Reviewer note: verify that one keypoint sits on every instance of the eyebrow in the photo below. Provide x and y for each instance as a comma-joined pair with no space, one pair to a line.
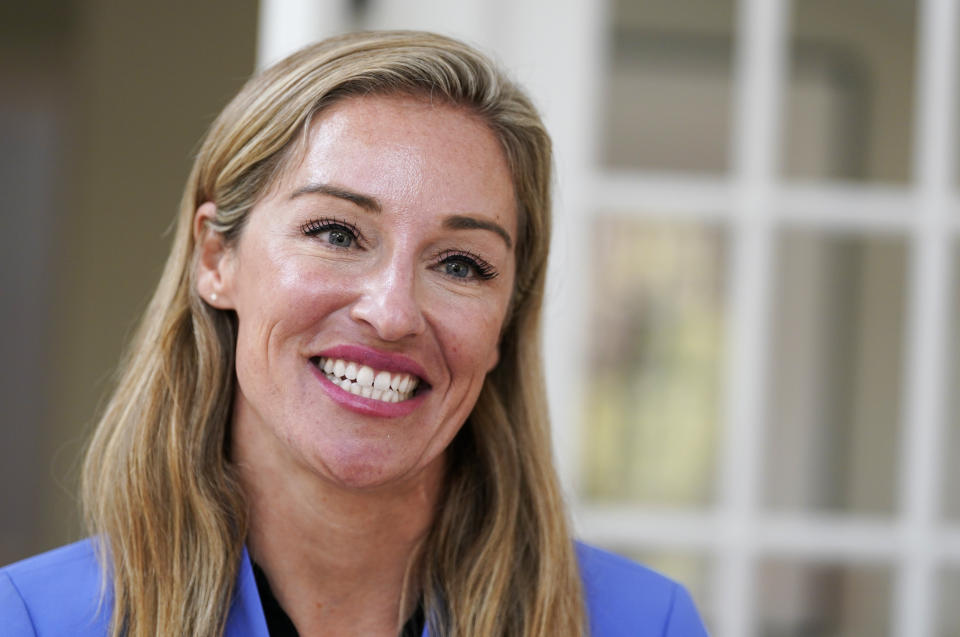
461,222
366,202
453,222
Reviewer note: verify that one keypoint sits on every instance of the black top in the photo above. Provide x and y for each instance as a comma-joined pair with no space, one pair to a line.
279,624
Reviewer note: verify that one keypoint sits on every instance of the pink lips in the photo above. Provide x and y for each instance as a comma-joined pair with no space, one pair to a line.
380,361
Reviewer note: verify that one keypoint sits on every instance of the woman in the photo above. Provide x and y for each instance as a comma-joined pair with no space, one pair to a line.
332,418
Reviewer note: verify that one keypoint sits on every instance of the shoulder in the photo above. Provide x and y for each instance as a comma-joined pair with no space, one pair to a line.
626,599
54,593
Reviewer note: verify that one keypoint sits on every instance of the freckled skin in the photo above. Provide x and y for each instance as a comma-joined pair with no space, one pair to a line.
295,295
339,500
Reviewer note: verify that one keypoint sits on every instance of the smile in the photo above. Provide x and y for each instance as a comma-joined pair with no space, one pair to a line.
363,380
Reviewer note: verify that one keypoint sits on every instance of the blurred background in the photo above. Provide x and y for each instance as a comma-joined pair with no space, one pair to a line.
751,305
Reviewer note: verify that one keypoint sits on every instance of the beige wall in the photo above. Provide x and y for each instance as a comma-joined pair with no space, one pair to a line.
131,87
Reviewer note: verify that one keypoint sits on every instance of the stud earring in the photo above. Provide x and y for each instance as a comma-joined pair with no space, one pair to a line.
213,297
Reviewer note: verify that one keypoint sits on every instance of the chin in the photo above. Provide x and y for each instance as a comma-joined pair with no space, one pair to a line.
364,469
359,475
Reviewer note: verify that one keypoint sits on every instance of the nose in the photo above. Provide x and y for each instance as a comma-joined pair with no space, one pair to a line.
388,303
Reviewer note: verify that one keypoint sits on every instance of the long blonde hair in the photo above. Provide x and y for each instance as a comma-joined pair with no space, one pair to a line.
158,488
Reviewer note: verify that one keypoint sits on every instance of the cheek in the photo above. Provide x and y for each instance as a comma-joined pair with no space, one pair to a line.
471,336
289,294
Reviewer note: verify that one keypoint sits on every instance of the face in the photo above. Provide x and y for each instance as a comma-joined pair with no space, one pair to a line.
370,286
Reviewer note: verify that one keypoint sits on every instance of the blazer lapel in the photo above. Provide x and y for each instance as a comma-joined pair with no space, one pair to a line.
246,617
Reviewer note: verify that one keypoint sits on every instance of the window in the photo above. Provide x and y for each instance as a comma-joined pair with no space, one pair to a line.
767,320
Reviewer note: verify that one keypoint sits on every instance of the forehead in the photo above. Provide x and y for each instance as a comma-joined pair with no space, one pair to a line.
408,152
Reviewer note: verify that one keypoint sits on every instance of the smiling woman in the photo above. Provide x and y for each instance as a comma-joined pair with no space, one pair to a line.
332,420
351,258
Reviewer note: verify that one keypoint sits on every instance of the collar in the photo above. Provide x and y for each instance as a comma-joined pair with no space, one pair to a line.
246,618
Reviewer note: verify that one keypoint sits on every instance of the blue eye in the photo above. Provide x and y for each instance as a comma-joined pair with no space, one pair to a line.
458,269
464,265
339,238
338,233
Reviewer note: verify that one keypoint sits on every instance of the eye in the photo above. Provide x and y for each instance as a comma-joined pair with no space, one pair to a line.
464,265
340,238
339,234
458,269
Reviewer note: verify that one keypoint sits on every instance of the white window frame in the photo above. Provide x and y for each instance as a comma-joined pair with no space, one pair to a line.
754,202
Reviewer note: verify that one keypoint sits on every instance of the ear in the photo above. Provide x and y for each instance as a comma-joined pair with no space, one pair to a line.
214,263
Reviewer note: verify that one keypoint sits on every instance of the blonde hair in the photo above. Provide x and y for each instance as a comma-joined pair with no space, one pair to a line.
158,487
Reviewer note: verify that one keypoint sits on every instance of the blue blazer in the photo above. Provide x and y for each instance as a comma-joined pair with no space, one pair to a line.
58,593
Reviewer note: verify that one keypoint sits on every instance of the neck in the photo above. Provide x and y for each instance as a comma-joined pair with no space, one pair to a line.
339,560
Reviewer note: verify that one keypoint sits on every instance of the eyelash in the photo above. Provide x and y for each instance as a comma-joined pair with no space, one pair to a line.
326,224
481,268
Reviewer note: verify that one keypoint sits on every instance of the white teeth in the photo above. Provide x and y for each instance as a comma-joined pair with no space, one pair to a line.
382,381
363,380
365,376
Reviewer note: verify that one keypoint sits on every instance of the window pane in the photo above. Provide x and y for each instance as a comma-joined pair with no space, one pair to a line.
833,419
667,104
828,600
948,623
849,100
951,448
653,387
